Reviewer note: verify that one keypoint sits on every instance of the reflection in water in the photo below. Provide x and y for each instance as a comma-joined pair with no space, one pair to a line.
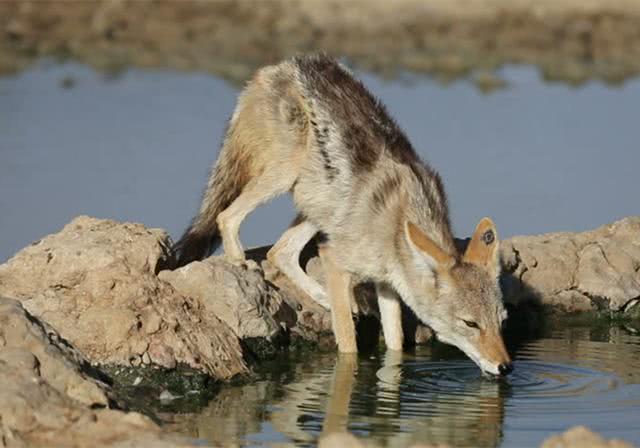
337,409
449,403
436,396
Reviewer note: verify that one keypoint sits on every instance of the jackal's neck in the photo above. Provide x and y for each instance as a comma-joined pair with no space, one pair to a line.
426,206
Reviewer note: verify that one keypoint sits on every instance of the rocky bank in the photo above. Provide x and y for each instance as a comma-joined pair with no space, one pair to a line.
597,270
98,294
104,287
52,396
96,282
576,437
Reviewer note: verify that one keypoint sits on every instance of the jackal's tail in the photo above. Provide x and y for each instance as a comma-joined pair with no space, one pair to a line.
226,181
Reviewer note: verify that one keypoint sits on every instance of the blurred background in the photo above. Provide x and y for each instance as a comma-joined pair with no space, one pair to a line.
530,110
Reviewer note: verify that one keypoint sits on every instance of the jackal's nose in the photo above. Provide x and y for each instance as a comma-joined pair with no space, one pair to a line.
505,368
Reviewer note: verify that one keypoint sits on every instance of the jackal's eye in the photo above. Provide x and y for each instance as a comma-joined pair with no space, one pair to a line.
470,323
488,237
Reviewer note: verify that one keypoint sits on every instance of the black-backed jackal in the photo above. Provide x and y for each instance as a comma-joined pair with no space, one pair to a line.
308,127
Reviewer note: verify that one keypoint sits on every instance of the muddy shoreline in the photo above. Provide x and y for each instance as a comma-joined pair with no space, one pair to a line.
571,41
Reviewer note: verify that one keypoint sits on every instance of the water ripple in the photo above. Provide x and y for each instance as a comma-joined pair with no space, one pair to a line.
535,388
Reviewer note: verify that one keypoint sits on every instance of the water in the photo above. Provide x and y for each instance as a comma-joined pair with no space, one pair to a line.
565,377
535,157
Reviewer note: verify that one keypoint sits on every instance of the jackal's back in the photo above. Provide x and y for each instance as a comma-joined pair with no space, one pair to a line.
337,99
307,125
364,162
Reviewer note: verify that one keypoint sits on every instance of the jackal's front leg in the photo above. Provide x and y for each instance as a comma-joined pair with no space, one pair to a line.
390,316
340,290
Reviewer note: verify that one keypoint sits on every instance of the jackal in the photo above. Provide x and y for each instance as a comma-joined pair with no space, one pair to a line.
308,127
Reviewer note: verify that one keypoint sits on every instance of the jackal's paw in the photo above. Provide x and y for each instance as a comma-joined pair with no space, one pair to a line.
239,261
245,264
251,265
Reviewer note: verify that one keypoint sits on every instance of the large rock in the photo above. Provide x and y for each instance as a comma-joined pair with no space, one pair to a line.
254,300
595,270
263,308
237,295
49,389
64,367
580,437
95,282
576,437
35,413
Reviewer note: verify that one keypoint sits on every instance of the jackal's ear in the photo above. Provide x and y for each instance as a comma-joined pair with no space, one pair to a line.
483,247
426,247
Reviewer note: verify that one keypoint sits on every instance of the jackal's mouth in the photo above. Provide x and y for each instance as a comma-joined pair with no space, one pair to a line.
503,371
492,376
489,370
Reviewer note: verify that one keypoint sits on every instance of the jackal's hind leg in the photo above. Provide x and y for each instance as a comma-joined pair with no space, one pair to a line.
390,316
285,255
258,191
340,290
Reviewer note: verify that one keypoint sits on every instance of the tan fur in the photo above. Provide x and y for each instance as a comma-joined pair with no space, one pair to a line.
308,127
481,252
492,347
285,254
426,245
340,291
390,316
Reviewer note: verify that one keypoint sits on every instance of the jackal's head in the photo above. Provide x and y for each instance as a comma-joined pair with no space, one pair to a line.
460,298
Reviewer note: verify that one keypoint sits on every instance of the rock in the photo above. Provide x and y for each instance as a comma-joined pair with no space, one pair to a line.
594,270
345,439
339,440
238,296
579,437
95,282
254,300
34,413
167,396
576,437
305,318
48,390
30,343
